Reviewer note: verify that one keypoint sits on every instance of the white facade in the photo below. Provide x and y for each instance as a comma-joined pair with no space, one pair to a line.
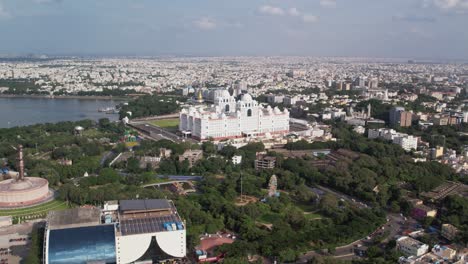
130,248
230,119
411,247
236,159
407,142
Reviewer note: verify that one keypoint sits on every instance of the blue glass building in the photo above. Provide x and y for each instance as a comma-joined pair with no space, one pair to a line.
82,245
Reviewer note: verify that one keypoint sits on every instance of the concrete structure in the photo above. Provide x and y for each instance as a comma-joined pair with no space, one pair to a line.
23,191
411,247
400,117
420,212
407,142
449,231
236,159
263,162
192,156
444,252
29,191
138,231
229,118
5,221
437,152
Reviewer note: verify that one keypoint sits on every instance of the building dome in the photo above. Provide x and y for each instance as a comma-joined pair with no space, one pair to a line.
246,98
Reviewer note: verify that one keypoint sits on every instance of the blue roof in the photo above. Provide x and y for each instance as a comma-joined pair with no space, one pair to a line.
82,245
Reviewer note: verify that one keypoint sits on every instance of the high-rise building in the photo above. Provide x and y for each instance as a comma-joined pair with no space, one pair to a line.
361,81
373,83
130,231
400,117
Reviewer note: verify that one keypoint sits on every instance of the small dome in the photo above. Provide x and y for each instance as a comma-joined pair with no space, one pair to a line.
79,128
246,98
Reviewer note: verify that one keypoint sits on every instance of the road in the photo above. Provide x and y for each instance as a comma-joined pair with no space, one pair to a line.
395,225
343,196
157,133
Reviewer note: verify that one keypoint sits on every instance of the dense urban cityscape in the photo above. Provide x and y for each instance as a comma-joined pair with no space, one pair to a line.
235,132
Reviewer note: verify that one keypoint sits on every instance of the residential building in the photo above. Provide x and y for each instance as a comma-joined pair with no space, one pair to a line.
437,152
400,117
407,142
263,162
411,247
236,159
421,211
449,231
444,252
192,156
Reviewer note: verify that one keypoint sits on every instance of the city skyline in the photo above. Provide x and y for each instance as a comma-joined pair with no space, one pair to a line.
420,29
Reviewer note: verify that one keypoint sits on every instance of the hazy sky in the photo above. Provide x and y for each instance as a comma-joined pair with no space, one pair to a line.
370,28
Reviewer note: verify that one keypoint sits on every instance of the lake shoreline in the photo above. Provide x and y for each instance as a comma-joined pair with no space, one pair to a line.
85,97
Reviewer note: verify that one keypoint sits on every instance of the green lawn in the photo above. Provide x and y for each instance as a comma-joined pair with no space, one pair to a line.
170,124
35,210
269,218
312,215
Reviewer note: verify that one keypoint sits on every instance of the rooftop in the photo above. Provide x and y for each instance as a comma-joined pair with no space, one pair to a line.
144,205
75,217
410,242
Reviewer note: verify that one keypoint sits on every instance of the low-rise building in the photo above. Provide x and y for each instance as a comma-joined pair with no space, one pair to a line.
411,247
421,211
407,142
444,252
263,162
192,156
449,231
236,159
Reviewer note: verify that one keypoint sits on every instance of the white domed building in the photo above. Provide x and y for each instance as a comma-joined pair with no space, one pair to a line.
229,118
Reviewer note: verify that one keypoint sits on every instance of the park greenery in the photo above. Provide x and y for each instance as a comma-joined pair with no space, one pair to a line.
150,105
283,227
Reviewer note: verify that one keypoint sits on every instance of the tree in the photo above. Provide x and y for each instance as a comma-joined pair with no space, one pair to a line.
208,148
133,165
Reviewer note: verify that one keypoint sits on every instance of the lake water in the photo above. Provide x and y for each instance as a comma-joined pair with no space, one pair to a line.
28,111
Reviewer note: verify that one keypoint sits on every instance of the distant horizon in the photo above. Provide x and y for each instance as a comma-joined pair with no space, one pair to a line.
39,56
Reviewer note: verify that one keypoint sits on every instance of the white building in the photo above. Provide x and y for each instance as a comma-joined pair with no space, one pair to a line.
236,159
132,231
407,142
229,118
411,247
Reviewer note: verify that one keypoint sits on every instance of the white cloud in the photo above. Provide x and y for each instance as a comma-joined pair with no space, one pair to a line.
451,4
3,13
271,10
205,23
293,12
328,3
309,18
